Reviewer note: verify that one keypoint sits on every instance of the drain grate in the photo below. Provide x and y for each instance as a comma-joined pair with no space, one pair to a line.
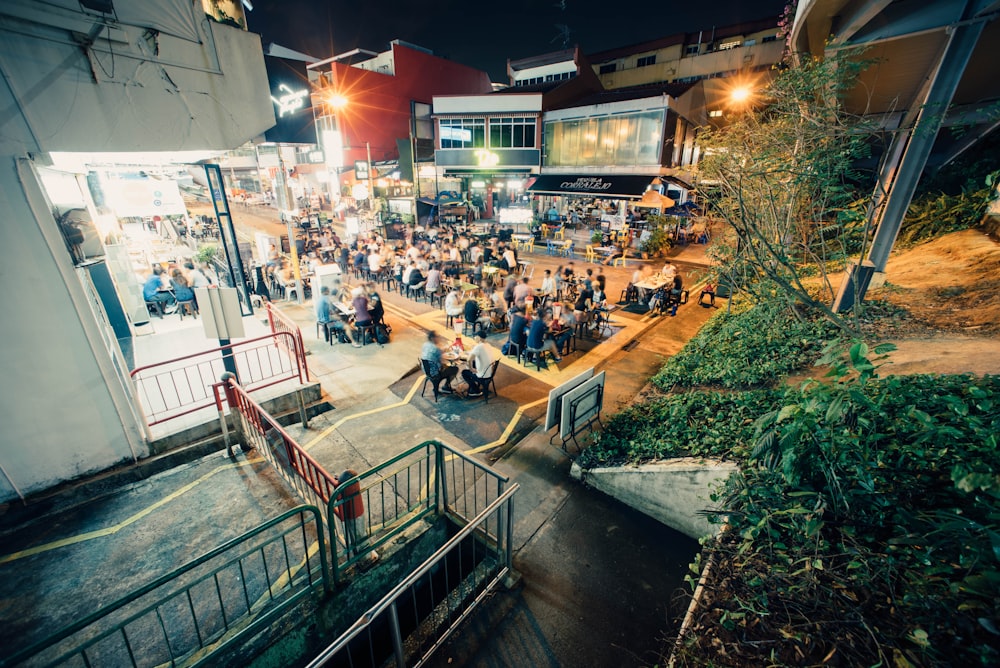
630,345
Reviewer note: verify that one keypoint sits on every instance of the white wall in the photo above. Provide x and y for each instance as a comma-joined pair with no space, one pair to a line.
676,492
65,411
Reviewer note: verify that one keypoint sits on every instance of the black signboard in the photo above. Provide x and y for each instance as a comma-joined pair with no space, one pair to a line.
293,113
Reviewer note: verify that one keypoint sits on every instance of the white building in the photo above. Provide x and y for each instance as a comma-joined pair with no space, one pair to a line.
94,76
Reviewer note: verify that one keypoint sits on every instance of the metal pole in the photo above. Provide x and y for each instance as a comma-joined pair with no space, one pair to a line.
371,184
293,251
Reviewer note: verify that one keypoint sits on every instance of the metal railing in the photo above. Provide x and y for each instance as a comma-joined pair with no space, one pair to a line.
426,479
177,387
279,322
442,592
201,608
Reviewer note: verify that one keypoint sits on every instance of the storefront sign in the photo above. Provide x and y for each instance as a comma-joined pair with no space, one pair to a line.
587,184
289,101
606,186
486,158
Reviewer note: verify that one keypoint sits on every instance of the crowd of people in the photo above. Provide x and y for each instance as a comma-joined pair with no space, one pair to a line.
164,288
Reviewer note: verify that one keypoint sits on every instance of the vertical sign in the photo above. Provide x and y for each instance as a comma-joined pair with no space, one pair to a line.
237,276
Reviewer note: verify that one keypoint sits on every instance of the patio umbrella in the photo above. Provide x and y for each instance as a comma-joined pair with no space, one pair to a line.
654,200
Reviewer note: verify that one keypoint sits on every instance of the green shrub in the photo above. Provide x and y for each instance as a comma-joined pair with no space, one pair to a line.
746,348
709,424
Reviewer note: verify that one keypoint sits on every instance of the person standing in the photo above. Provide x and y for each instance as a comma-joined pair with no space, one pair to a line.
351,511
480,361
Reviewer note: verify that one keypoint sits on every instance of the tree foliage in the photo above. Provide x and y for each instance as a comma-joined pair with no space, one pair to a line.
782,176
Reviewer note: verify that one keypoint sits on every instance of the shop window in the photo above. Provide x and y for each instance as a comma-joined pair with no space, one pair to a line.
462,132
512,133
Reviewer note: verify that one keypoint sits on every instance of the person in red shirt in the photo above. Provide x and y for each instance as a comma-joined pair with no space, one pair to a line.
352,513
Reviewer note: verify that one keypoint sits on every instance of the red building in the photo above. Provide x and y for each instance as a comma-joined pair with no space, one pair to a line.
366,101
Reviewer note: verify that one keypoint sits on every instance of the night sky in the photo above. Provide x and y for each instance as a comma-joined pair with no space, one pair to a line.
485,34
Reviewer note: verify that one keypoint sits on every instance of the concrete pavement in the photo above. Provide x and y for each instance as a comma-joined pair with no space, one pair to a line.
598,578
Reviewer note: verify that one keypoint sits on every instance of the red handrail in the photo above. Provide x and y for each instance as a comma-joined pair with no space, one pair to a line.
307,469
279,322
170,389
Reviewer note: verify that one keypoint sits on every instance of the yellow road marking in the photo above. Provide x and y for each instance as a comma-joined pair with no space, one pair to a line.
336,425
114,528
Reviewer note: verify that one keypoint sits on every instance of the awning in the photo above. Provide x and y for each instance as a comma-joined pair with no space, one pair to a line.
611,185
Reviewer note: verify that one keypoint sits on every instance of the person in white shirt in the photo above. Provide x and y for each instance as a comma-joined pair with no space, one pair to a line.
549,285
453,304
480,361
669,271
375,262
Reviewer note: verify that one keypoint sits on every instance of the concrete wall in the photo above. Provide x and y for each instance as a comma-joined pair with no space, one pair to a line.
673,491
67,407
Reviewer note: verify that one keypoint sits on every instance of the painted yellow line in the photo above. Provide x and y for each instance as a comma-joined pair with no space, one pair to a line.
509,429
339,423
114,528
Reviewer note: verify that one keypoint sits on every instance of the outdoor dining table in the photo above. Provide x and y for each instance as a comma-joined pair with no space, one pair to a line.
653,283
562,248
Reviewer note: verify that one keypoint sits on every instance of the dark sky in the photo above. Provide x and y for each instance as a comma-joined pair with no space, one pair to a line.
485,34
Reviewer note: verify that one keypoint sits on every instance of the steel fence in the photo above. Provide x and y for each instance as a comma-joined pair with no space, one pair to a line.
201,608
177,387
279,322
419,614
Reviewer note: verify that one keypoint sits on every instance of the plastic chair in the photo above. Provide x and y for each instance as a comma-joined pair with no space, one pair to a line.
429,379
489,380
590,254
559,232
621,259
188,306
365,329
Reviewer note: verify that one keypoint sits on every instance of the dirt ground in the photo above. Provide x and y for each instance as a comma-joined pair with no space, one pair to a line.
944,300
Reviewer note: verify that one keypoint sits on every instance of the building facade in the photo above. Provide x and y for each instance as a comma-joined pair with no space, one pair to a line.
744,48
154,75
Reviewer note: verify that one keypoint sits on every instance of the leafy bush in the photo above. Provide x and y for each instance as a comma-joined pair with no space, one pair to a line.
710,424
937,214
865,526
746,349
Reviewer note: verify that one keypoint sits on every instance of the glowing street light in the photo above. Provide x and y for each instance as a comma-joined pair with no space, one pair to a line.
740,94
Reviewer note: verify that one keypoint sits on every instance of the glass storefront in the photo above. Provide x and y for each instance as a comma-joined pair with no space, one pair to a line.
619,140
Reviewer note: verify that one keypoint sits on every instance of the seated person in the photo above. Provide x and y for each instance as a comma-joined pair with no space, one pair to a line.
375,306
151,291
563,330
182,290
323,309
453,303
436,370
536,335
480,361
709,290
518,328
473,314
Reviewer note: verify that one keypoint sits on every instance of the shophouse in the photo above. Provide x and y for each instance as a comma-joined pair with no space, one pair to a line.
486,146
741,49
606,149
371,108
143,75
